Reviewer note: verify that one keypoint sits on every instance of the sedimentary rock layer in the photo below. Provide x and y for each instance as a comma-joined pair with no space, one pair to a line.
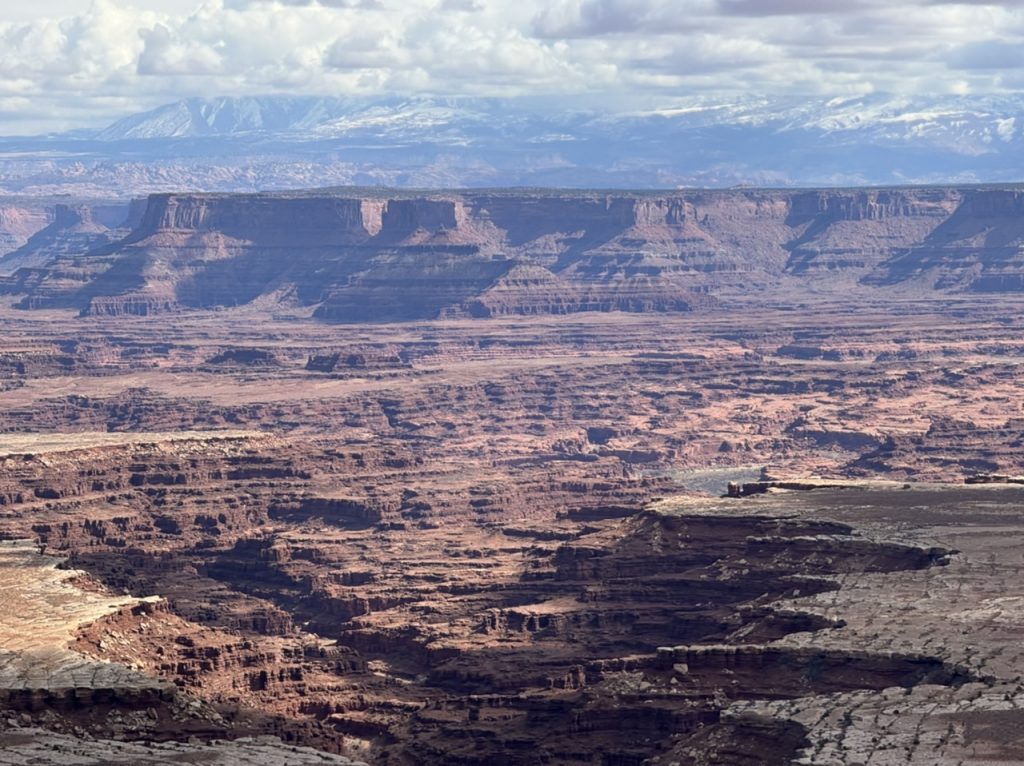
483,254
705,631
473,644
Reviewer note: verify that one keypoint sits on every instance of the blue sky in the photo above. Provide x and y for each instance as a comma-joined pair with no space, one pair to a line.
67,64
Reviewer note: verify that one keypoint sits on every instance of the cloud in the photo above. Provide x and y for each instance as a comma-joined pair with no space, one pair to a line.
165,53
370,4
794,7
588,18
469,6
63,67
995,55
384,52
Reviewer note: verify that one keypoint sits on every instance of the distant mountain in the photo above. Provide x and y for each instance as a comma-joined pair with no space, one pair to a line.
274,142
310,119
193,117
964,125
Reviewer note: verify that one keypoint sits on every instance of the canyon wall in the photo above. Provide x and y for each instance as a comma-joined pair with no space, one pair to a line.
18,222
400,256
273,609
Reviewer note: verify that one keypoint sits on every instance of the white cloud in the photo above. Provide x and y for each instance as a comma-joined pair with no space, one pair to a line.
166,53
62,67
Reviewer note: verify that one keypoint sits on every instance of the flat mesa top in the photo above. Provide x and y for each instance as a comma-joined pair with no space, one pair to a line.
863,502
413,193
34,444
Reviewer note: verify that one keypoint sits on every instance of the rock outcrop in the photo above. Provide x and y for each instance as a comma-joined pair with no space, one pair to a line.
978,248
75,230
524,636
401,256
19,221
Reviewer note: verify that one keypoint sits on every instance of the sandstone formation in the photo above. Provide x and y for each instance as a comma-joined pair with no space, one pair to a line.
697,630
395,257
19,220
75,230
41,615
545,622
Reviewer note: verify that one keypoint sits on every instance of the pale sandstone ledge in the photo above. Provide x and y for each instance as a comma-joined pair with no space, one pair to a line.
42,612
41,443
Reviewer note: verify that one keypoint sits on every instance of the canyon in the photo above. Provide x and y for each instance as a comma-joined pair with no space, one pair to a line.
513,477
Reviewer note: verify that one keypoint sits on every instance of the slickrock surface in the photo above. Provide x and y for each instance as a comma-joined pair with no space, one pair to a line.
698,631
968,612
35,747
41,615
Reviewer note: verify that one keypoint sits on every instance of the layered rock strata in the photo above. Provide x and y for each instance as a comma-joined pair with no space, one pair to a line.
688,625
401,257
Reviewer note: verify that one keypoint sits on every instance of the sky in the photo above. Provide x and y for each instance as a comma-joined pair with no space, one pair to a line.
67,64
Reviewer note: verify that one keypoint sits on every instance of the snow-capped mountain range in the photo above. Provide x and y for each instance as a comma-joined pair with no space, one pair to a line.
286,141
